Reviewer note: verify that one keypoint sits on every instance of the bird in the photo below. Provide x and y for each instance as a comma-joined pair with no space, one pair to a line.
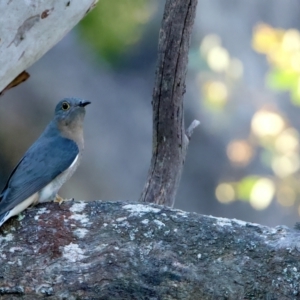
48,163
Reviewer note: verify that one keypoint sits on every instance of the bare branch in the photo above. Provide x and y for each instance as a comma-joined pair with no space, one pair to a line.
169,139
191,128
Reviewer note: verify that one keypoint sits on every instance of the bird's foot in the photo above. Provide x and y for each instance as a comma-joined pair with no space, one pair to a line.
20,217
60,200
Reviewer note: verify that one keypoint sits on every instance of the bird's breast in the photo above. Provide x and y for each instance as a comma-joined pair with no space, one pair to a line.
49,192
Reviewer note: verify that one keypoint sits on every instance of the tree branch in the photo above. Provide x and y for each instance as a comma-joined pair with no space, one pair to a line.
28,29
169,139
104,250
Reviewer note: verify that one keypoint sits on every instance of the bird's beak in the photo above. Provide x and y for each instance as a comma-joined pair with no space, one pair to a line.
84,103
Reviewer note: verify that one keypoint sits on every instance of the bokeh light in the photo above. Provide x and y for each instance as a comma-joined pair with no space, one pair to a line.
209,41
218,59
287,141
267,123
239,152
272,142
216,93
282,50
265,38
291,40
225,193
217,83
285,165
286,196
262,193
235,69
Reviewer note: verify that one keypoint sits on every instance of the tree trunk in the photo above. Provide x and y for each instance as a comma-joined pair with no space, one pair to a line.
169,138
28,29
105,250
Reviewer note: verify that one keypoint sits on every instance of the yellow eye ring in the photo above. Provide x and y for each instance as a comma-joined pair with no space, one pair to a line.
65,106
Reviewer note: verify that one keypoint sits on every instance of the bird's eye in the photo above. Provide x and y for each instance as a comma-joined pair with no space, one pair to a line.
65,106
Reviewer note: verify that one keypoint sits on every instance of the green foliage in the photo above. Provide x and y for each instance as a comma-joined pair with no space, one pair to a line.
113,26
245,187
282,49
282,80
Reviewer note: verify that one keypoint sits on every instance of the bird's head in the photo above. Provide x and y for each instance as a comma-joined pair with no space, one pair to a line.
70,112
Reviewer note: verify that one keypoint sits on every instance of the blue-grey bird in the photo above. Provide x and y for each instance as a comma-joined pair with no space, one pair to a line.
48,163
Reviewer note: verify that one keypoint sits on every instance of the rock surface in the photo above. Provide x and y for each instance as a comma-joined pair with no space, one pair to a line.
117,250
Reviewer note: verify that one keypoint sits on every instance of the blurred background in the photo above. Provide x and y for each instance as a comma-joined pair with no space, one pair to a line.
243,84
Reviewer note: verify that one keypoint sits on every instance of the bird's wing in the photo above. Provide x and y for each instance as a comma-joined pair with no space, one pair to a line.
39,166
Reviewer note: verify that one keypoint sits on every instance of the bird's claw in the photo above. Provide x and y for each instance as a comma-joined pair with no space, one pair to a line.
61,200
21,216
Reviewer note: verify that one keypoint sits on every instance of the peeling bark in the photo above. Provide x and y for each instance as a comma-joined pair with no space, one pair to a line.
103,250
28,29
18,80
169,138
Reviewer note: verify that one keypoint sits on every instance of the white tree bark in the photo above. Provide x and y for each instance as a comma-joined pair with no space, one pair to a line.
29,28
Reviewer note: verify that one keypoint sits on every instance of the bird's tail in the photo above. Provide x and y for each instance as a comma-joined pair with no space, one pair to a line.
4,217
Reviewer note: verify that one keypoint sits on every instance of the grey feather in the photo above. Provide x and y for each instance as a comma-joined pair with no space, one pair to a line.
48,163
43,162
